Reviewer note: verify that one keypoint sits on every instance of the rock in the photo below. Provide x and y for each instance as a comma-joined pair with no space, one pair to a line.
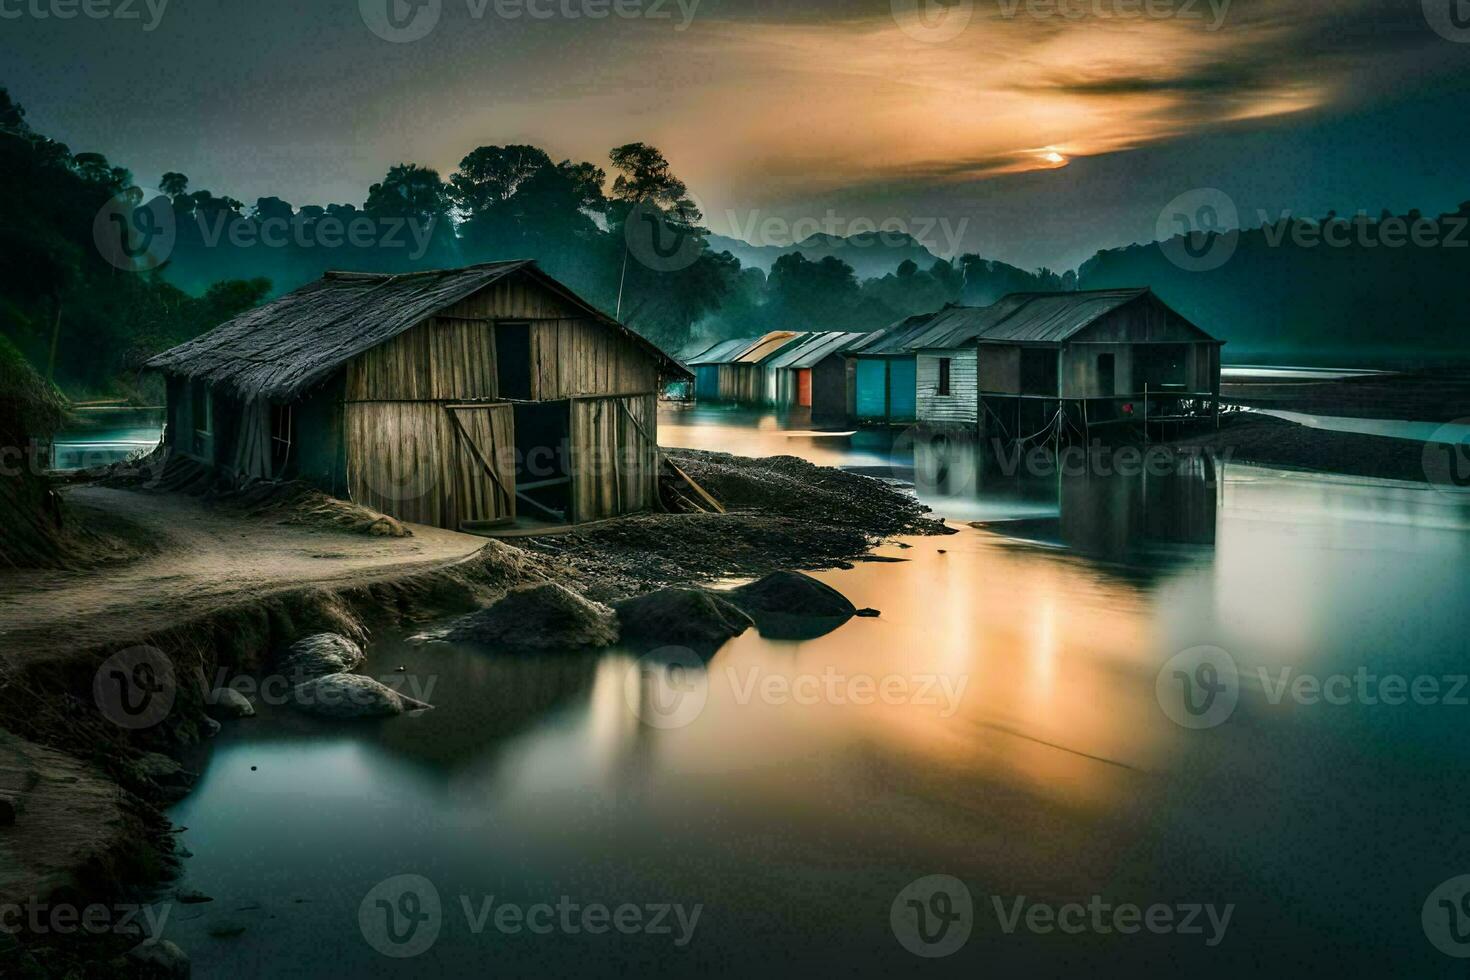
535,618
320,654
158,767
191,896
792,606
226,702
694,618
345,696
211,727
160,958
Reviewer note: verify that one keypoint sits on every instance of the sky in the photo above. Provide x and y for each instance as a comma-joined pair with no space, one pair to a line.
1032,131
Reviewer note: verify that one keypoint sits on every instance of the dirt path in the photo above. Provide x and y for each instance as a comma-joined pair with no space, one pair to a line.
206,560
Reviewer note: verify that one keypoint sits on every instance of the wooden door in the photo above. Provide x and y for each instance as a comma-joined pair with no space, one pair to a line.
483,488
804,387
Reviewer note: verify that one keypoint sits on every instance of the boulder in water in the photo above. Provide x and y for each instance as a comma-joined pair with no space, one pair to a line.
320,654
694,618
792,606
349,696
159,958
536,618
226,702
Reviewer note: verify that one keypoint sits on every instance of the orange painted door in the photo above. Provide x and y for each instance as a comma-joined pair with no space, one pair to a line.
804,387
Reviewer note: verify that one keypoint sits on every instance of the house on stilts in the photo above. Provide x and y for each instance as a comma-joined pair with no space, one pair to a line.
1064,363
459,398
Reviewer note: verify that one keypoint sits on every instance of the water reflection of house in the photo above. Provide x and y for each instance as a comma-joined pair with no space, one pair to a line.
449,398
1041,362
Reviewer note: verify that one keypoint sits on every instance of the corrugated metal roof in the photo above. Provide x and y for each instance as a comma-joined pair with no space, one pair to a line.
815,349
281,349
768,346
1025,318
892,340
725,352
693,349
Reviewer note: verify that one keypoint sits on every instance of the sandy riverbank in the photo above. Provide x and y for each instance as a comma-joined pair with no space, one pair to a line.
213,586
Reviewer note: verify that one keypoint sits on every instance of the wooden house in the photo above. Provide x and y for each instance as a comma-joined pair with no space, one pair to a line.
456,398
880,373
708,364
746,380
1033,362
792,380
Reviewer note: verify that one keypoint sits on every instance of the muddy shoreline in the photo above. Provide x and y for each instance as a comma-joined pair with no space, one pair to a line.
782,513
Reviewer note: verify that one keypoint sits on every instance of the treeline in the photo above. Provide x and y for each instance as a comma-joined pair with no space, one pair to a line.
102,273
1384,290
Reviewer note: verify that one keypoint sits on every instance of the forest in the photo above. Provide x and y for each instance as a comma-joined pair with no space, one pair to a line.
101,273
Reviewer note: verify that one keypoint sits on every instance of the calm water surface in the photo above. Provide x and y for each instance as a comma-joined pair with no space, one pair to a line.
1023,750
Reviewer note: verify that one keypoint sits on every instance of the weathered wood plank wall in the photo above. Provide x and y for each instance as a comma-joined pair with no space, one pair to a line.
614,464
962,403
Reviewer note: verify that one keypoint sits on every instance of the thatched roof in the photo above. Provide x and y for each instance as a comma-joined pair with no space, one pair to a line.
282,349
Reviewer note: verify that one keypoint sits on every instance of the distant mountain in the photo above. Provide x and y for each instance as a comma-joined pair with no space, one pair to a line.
871,254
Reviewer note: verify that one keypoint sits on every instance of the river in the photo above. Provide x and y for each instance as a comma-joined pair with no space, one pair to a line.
1003,722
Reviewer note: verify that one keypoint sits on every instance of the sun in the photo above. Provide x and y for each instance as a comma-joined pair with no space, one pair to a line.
1054,158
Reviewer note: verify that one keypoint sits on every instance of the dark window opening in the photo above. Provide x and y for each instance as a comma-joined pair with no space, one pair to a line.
944,375
282,435
1038,371
1107,380
1161,367
513,360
